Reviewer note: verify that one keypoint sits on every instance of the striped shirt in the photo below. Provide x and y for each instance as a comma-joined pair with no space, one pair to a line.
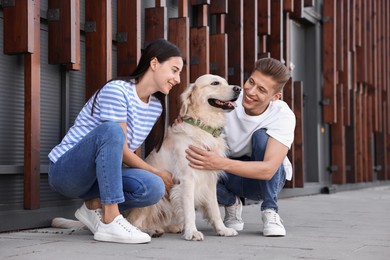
116,102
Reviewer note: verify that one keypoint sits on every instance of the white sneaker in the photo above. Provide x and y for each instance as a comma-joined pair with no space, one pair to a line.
272,224
120,231
90,218
233,216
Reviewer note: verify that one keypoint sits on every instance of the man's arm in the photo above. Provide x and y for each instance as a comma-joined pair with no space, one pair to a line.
263,170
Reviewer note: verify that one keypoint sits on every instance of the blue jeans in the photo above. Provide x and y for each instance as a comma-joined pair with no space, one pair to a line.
267,190
93,168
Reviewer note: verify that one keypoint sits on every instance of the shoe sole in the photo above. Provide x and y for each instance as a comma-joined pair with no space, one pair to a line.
108,238
269,234
85,221
237,227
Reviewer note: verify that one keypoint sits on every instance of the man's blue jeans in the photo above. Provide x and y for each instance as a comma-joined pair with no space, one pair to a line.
231,186
93,168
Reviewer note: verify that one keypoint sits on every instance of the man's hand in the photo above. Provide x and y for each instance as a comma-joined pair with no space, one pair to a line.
204,159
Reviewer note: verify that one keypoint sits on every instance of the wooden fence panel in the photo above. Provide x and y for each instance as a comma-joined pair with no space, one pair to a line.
32,65
329,62
63,30
250,36
288,97
98,29
299,171
18,27
234,29
128,36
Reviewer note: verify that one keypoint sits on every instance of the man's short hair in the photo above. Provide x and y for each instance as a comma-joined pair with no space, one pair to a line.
275,69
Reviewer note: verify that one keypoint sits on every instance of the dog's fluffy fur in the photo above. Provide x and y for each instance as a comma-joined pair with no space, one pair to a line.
206,100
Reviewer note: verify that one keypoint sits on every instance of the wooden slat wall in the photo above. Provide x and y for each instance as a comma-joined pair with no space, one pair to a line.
360,131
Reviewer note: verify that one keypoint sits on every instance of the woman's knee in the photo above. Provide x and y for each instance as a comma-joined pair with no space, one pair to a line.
112,131
156,190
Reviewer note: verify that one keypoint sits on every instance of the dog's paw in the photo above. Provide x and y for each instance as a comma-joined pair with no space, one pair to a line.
154,232
227,232
193,235
176,229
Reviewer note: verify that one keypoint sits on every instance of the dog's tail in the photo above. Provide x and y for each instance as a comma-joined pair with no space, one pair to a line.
67,223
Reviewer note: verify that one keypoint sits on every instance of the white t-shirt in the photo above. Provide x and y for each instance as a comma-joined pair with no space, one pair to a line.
278,119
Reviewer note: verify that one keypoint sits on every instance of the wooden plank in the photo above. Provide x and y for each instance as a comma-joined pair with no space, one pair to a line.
18,27
352,22
263,46
376,68
219,7
235,30
199,52
287,41
359,135
338,142
299,172
62,31
357,23
75,11
288,6
367,127
264,17
250,36
201,12
340,34
276,37
129,28
298,9
98,45
155,23
179,33
346,70
288,97
32,113
200,2
329,62
218,54
350,139
308,3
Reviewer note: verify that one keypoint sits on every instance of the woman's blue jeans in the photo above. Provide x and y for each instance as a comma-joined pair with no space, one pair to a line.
93,168
267,190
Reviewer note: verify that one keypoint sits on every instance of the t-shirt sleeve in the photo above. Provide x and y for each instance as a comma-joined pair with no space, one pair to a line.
283,129
113,103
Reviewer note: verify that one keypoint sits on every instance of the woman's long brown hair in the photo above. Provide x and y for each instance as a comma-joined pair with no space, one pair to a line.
162,50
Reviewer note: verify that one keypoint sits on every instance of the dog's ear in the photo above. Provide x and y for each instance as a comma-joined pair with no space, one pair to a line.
186,99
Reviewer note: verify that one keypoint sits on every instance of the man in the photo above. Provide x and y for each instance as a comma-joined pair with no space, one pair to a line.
259,133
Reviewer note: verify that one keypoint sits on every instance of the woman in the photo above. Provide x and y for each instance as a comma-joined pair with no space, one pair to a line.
88,163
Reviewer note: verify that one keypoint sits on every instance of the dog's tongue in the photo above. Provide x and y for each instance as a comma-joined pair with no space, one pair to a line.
231,103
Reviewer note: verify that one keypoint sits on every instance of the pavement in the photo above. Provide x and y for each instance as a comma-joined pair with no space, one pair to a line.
351,224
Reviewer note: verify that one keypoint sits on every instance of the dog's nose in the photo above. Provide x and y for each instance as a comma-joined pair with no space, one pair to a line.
237,89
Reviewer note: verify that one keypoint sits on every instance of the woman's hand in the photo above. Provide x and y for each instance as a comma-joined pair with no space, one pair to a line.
167,179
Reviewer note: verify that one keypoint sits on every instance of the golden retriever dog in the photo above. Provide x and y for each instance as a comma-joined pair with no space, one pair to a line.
204,104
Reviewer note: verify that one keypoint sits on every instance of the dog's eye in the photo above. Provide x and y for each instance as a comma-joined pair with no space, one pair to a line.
215,83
